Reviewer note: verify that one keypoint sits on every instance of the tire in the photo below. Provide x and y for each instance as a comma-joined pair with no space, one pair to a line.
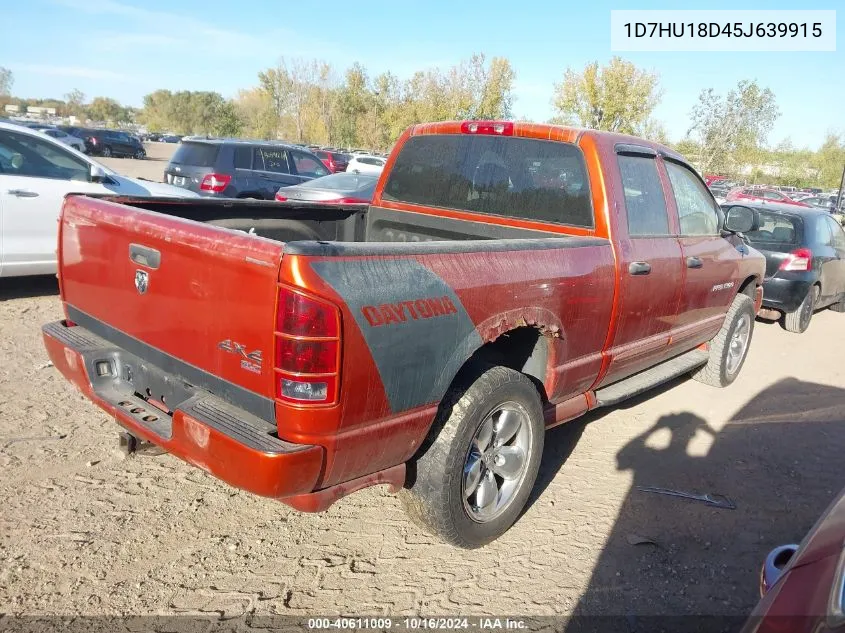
729,348
139,155
798,320
106,151
472,415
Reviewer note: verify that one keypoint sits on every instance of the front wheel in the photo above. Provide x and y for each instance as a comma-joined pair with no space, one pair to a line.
139,155
107,151
799,319
730,346
475,476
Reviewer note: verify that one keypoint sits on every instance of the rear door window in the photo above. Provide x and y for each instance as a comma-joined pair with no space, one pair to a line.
838,233
196,154
505,176
775,228
273,159
644,200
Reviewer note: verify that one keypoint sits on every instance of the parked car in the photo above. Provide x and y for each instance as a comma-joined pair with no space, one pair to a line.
803,586
231,168
63,137
496,285
170,138
335,189
821,202
36,172
334,161
741,194
365,164
114,143
805,262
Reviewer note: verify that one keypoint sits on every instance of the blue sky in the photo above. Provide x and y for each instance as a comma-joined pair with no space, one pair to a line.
126,49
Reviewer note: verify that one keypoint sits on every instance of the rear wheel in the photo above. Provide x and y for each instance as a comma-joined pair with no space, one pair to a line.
139,155
799,320
475,476
730,346
107,151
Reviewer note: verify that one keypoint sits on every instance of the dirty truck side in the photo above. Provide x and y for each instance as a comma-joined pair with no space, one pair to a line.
506,278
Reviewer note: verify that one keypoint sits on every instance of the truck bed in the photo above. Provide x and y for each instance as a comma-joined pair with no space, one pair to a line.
293,222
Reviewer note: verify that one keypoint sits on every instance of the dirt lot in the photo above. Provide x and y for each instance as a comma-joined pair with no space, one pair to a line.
83,530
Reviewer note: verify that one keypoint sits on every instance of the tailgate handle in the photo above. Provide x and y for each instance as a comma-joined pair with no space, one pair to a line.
145,256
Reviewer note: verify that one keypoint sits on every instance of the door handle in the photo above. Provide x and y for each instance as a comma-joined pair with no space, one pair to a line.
639,268
694,262
22,193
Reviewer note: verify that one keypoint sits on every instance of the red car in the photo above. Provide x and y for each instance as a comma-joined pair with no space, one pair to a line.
426,341
334,161
761,194
803,586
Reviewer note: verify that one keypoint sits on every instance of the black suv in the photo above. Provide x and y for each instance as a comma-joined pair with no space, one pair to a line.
232,168
113,143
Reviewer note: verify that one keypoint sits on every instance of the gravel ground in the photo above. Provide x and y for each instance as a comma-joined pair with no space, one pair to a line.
84,530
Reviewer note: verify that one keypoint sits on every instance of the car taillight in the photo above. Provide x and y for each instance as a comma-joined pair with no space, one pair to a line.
501,128
348,201
215,183
280,197
801,259
307,349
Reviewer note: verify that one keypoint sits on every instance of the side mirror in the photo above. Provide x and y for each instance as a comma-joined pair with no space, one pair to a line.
740,219
96,173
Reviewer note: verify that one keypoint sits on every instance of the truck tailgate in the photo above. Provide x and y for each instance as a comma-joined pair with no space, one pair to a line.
196,300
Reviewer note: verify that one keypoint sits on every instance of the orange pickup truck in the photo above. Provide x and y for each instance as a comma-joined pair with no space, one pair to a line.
506,278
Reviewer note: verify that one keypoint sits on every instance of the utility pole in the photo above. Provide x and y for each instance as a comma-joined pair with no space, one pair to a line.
837,208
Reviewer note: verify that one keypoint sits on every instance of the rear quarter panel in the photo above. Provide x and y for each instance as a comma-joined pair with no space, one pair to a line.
399,356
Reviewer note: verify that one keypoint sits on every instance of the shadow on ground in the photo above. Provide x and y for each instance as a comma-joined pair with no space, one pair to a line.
31,286
779,460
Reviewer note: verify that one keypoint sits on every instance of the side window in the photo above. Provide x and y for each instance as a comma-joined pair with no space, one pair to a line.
308,165
822,233
271,159
25,155
838,233
644,200
243,157
696,208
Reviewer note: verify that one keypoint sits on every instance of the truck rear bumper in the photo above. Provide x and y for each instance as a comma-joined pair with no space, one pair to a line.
202,429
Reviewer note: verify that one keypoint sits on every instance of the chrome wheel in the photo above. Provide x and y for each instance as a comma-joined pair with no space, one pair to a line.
496,462
738,343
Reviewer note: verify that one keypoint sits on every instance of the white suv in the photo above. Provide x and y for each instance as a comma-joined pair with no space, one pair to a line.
36,172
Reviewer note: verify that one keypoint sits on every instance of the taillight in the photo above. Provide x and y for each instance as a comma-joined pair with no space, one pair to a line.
307,349
215,183
348,201
280,197
798,260
501,128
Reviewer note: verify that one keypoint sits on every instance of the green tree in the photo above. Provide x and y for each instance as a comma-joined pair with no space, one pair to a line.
107,109
75,100
255,110
618,97
829,161
729,126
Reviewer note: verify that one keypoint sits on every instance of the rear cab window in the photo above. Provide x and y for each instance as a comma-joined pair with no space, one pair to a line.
511,177
196,154
776,228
